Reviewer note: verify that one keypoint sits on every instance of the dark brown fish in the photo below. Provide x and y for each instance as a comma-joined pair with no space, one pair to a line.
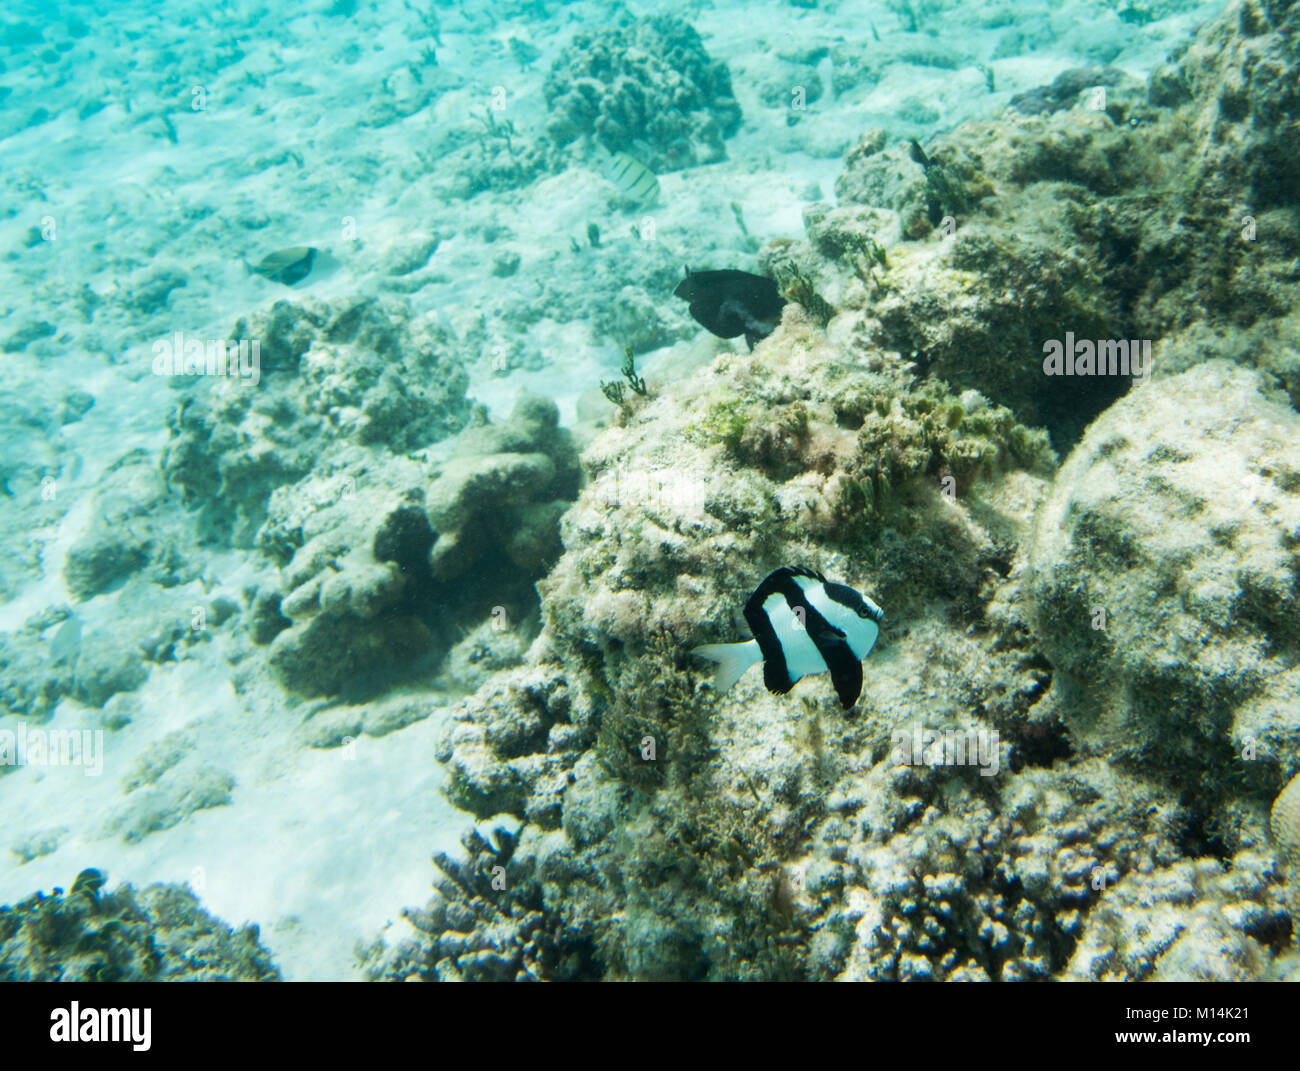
730,303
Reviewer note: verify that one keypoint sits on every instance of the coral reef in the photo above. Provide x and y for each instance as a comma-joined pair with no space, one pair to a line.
36,461
329,723
91,666
388,561
1195,921
1100,221
1065,89
783,454
332,375
491,647
505,740
354,547
894,433
974,885
1076,751
502,491
167,798
103,649
611,290
1165,583
496,157
157,934
651,81
31,682
478,928
319,469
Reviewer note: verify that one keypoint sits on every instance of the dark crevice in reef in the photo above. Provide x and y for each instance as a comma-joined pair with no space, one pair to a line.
1064,405
1274,929
1058,944
1198,837
1039,743
405,539
1069,405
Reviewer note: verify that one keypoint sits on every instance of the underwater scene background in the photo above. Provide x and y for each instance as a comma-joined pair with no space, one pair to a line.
367,484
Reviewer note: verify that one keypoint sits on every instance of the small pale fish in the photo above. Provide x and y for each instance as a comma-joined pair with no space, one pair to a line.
634,180
297,265
803,625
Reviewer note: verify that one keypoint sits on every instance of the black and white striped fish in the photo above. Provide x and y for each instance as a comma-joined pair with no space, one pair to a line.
803,625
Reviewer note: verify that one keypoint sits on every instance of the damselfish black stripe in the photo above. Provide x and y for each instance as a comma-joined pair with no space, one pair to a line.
833,645
776,674
844,667
849,598
846,670
803,570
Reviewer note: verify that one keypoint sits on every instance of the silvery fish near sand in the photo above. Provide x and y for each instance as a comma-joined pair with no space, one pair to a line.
296,265
803,625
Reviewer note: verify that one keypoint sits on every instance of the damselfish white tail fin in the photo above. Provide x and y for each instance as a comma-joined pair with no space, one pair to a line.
732,658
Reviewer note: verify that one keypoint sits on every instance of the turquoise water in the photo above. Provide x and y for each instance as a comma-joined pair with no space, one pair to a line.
311,314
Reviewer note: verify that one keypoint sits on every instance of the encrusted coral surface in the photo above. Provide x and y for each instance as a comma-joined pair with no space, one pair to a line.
354,372
384,558
651,81
894,432
156,934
